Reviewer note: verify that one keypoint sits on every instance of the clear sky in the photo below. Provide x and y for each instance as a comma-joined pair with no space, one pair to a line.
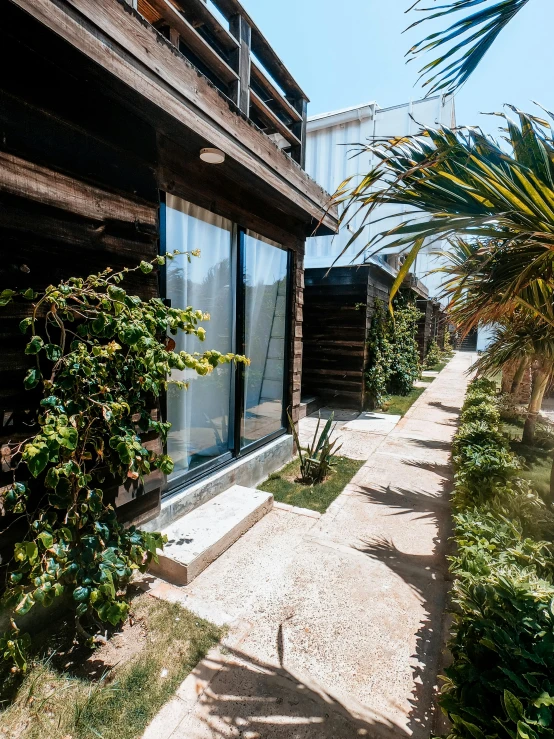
350,52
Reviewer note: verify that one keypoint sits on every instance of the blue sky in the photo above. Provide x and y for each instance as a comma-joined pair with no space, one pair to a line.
352,52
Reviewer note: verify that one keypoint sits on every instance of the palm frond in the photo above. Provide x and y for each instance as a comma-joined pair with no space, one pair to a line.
461,183
466,41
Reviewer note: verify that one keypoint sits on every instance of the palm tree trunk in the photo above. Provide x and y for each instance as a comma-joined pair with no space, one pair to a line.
518,377
505,386
541,376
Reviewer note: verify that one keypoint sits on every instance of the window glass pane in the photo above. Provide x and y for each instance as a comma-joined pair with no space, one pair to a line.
200,416
265,323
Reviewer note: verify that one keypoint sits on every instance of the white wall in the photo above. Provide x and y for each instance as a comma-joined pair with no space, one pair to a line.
329,160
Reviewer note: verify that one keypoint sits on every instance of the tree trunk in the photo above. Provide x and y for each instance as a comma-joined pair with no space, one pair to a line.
505,385
518,377
540,382
551,497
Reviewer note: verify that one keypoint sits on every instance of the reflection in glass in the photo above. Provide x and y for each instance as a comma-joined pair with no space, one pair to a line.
200,430
265,323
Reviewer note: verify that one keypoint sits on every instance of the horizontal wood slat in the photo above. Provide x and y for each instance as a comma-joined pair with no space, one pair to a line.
272,119
194,41
19,177
264,82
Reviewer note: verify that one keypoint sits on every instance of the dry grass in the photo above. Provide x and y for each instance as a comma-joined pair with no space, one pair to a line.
115,691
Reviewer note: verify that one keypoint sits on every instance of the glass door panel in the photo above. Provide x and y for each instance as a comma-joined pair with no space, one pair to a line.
201,417
265,304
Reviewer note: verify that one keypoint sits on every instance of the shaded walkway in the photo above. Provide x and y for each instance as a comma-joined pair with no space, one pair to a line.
335,620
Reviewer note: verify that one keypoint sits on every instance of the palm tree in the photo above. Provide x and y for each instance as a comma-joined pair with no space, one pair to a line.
464,183
471,288
523,339
466,41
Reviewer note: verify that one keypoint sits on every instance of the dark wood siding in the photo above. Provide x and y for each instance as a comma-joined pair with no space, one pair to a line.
82,164
337,313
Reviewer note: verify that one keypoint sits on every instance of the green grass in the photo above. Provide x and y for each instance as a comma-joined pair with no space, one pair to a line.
398,404
537,459
319,497
50,703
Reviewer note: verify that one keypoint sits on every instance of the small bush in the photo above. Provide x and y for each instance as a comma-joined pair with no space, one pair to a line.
434,355
501,680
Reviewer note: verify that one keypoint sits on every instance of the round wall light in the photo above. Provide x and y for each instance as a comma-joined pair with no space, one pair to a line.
212,156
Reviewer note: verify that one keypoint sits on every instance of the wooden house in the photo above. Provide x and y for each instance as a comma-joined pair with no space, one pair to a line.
338,309
107,109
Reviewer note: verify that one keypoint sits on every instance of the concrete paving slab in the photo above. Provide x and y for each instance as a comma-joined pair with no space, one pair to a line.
336,622
373,423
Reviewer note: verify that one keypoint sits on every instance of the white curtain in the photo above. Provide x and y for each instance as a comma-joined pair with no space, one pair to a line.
200,415
266,270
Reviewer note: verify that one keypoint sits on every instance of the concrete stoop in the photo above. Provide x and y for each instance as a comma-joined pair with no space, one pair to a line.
201,536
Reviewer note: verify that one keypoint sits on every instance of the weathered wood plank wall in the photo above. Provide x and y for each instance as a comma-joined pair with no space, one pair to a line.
82,164
337,314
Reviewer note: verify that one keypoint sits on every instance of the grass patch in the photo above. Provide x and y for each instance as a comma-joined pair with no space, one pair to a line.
319,497
115,691
398,404
537,458
437,367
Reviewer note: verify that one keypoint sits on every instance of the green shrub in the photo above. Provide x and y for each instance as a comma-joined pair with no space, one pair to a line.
434,355
393,357
501,680
487,412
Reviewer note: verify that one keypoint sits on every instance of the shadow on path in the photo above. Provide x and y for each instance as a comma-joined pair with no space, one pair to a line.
249,698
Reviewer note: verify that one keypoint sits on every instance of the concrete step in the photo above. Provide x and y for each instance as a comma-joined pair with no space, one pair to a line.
199,537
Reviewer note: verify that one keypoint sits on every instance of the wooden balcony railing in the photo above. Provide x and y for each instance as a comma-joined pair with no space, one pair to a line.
235,56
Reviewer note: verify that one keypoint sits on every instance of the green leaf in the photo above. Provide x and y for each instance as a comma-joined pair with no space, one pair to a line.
46,539
29,294
36,458
6,297
544,699
35,345
32,379
513,706
81,594
146,267
24,325
53,352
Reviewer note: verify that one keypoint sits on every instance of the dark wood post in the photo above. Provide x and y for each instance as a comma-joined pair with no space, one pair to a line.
298,153
240,91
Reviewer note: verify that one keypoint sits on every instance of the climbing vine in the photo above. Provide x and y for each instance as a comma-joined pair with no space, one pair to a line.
101,357
393,358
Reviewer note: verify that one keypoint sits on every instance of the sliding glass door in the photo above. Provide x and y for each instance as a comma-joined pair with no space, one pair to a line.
241,280
265,298
201,417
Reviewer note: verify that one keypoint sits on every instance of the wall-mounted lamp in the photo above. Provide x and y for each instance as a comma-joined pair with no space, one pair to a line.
212,156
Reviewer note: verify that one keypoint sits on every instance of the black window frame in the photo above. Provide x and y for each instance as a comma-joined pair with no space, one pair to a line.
236,410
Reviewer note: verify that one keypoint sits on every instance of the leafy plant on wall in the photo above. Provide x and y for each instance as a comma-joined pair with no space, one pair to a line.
393,358
101,357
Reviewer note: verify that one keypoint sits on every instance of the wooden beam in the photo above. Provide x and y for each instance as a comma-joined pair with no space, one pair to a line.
272,119
199,14
263,50
299,152
264,81
194,40
28,180
241,93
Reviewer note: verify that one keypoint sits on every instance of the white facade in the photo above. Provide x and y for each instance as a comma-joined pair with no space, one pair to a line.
331,141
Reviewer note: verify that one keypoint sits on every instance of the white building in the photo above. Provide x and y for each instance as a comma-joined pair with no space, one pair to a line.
332,139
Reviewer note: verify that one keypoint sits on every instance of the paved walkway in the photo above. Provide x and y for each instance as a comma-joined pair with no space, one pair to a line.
336,620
